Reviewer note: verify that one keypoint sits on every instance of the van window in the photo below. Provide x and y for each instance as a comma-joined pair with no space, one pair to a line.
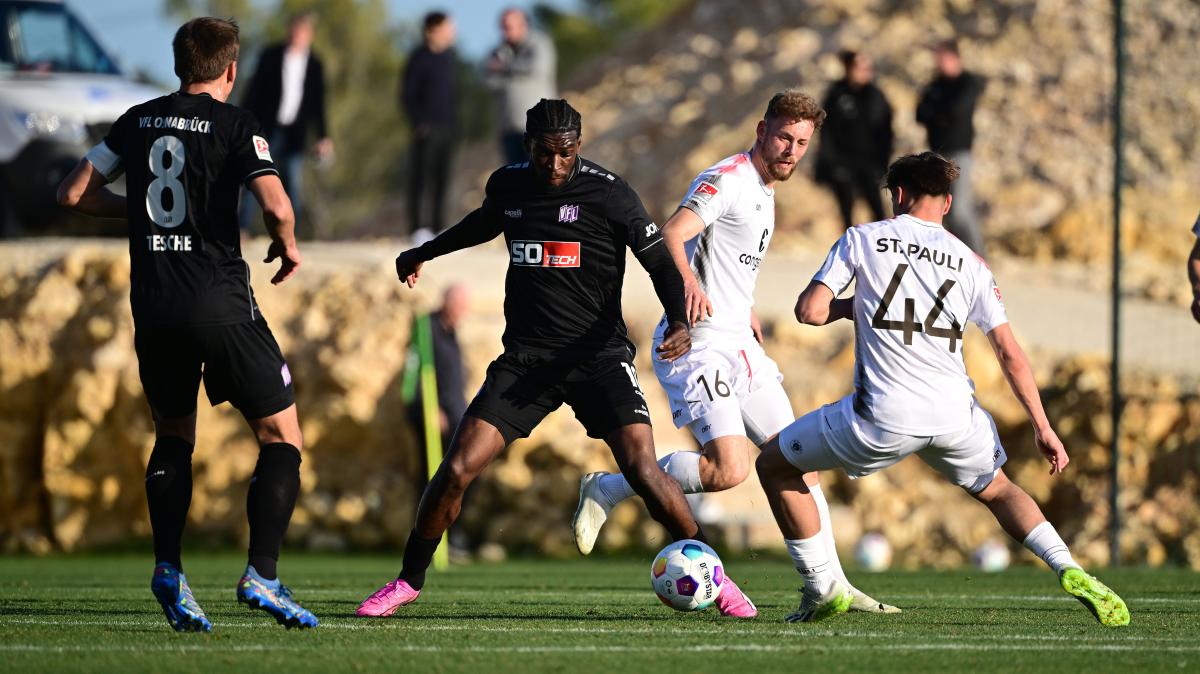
47,38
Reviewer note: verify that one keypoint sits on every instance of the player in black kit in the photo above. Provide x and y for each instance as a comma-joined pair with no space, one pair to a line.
567,223
185,157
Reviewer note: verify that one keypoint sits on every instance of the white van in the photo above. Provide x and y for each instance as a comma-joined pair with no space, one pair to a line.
60,91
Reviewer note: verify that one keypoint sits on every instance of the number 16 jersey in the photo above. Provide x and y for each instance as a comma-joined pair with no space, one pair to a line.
185,158
916,286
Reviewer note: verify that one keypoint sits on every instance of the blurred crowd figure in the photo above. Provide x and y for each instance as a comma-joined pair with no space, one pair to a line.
521,70
856,140
287,95
429,99
947,111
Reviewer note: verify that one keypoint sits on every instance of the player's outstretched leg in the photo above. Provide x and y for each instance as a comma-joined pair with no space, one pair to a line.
861,601
723,463
633,448
269,505
476,442
168,495
1021,518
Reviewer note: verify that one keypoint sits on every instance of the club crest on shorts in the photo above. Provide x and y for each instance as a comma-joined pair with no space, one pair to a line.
568,213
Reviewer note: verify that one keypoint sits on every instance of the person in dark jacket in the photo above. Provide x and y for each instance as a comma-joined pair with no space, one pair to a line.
429,98
856,139
947,111
287,95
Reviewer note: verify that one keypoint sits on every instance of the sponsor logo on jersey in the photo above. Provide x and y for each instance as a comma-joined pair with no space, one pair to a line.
751,261
544,253
261,148
996,289
512,212
651,230
568,213
703,193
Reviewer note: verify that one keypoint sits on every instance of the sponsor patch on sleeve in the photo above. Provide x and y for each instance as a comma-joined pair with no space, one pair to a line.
261,148
702,195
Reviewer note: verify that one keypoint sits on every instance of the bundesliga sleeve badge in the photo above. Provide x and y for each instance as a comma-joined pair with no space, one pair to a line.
261,148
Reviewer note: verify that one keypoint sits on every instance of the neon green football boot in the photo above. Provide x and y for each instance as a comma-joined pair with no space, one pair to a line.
1108,608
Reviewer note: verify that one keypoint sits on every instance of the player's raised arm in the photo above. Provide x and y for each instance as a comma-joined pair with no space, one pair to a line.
85,189
818,304
280,221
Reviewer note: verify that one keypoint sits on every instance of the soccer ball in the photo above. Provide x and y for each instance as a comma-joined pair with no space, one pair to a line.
687,575
991,557
873,552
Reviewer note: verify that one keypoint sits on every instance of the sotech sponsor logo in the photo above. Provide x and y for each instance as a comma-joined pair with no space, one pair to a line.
544,253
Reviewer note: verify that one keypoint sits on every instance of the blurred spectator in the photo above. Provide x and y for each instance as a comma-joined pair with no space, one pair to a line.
287,95
856,139
521,71
429,96
946,110
439,346
1194,271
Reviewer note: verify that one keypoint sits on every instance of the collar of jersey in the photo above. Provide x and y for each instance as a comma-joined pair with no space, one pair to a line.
762,185
919,221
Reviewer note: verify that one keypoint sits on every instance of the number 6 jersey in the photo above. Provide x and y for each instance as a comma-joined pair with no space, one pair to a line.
185,158
916,286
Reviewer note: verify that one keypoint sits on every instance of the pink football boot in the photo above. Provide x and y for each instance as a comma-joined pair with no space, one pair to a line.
388,598
732,602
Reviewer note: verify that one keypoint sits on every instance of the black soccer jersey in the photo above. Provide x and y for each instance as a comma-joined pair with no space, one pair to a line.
185,158
566,251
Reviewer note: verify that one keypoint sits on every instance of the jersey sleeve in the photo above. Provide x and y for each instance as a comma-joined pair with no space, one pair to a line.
710,196
838,270
625,209
106,155
987,309
249,154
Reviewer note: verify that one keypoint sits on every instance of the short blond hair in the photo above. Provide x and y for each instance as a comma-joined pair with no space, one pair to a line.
795,105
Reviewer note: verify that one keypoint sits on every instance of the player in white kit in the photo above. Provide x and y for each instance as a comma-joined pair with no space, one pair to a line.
916,287
726,389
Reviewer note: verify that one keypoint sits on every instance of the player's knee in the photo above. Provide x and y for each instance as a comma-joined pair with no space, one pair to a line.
990,488
460,475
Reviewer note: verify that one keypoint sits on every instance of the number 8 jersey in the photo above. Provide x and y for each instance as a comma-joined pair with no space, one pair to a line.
185,158
916,286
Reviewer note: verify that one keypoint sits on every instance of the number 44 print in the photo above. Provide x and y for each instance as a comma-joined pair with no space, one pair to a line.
909,325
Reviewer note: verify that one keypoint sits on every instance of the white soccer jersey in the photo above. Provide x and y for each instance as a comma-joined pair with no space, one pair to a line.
916,286
738,211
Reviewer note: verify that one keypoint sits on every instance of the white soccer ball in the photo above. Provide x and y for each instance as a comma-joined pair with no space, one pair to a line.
873,552
687,575
991,557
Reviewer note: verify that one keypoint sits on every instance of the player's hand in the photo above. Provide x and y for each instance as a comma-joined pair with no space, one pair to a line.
408,267
676,342
289,260
696,302
1052,448
756,327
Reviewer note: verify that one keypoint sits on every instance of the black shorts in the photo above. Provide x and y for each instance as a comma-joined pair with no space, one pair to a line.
240,363
521,389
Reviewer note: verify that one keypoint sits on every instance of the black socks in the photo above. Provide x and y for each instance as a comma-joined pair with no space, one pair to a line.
418,554
169,493
270,502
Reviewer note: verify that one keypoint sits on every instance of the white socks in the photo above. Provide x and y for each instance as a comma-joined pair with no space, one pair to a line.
827,535
1045,542
812,561
683,467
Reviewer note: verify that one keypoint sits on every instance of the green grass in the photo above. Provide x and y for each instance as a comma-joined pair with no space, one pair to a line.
95,613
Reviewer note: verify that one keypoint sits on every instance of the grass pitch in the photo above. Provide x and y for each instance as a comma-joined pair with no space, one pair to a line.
96,613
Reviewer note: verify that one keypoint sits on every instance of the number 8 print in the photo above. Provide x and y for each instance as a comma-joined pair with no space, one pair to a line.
166,179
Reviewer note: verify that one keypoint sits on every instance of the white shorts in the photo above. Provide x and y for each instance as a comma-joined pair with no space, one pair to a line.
835,436
720,390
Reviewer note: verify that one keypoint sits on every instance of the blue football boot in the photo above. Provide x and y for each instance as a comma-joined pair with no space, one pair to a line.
170,588
275,598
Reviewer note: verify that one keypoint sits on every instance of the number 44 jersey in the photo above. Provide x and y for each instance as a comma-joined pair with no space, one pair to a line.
916,286
185,159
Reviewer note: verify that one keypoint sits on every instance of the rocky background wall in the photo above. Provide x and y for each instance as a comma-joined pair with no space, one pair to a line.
75,431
